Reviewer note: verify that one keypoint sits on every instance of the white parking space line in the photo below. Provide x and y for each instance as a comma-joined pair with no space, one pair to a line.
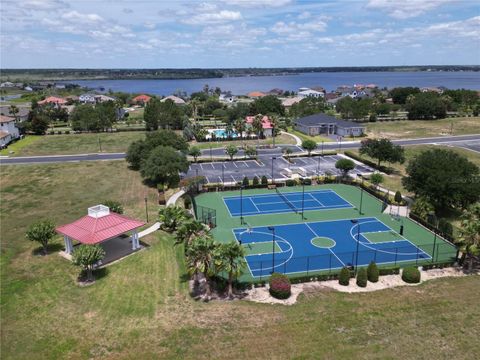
208,180
233,178
246,164
234,163
201,167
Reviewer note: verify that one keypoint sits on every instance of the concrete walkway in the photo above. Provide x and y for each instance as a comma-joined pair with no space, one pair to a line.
173,199
297,139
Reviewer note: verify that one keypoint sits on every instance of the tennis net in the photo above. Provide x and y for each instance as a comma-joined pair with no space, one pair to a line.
284,198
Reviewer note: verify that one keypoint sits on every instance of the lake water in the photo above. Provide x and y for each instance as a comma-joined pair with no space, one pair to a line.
329,81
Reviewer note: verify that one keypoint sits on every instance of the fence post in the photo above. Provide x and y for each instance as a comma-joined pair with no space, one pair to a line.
375,256
416,260
308,264
261,270
396,253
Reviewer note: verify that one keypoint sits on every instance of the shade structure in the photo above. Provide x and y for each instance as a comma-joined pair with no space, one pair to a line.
93,230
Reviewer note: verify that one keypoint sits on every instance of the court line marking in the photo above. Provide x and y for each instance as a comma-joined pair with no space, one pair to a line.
289,192
315,199
254,204
329,249
316,208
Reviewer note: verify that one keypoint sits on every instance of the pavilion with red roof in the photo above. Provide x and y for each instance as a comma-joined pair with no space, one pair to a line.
103,227
267,127
141,99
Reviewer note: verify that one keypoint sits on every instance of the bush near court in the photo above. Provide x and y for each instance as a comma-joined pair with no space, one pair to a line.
280,287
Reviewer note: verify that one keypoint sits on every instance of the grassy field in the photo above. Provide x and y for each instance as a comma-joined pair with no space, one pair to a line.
423,128
75,143
140,308
394,181
302,136
280,139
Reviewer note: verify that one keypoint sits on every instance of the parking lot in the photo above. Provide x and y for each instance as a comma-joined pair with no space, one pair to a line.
235,171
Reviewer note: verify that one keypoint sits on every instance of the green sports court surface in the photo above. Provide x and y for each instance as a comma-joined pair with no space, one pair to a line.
325,238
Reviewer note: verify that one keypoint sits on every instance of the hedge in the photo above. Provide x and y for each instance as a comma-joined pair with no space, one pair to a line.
372,272
411,275
381,168
280,287
362,277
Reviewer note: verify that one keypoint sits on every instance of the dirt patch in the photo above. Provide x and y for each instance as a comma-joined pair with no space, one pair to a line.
262,294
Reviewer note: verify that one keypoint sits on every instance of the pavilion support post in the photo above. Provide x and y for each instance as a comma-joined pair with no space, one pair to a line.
135,241
68,244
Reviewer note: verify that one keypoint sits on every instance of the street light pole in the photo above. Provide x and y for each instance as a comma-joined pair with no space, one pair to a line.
356,221
146,208
273,181
322,148
318,166
361,196
272,229
223,173
303,198
241,204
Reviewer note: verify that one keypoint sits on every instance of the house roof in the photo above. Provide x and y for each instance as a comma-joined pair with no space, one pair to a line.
144,98
266,124
255,94
322,118
3,134
93,230
175,99
6,119
290,101
53,100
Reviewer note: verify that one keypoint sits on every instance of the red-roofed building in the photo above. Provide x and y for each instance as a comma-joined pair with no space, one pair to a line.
99,227
267,127
141,99
53,100
255,94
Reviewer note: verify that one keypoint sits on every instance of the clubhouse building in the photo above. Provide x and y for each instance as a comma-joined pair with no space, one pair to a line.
323,124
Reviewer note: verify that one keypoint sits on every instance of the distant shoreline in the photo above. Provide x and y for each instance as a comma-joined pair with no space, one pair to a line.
191,74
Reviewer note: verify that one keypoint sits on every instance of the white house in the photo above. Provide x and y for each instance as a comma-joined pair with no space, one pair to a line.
306,92
8,130
87,98
227,98
175,99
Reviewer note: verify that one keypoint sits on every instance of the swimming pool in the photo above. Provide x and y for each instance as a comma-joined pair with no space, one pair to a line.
222,134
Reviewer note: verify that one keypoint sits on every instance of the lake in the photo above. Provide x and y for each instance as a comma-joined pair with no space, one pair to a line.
329,81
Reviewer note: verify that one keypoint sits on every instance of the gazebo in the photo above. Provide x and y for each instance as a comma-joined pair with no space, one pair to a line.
103,227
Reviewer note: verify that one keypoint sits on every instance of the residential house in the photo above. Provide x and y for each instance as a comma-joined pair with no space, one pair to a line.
307,92
141,99
7,84
256,94
267,128
175,99
323,124
227,97
53,100
8,130
22,114
432,89
87,98
275,91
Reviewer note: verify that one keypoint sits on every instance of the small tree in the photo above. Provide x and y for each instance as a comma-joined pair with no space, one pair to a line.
255,181
422,207
194,152
398,197
345,165
171,217
309,145
264,180
41,232
280,287
411,275
470,234
344,277
376,179
245,181
382,150
231,151
200,258
362,277
229,257
288,152
250,151
87,256
372,272
114,206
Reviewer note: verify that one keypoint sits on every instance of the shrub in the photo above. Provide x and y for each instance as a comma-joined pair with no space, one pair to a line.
245,181
67,132
411,275
398,197
290,182
264,180
187,202
280,287
372,272
255,181
344,277
307,181
362,277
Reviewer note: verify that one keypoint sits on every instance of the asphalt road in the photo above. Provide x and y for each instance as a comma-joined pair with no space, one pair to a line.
471,142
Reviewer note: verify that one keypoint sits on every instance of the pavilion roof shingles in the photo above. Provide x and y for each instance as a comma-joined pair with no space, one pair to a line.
90,230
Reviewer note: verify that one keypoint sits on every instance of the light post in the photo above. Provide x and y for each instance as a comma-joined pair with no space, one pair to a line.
318,166
99,143
223,173
146,208
434,221
303,198
361,196
273,159
322,148
196,179
355,221
241,204
211,155
272,229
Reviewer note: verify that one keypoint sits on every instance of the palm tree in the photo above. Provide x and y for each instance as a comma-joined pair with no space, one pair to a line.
13,110
171,217
257,126
200,259
470,234
239,126
274,122
188,231
230,257
229,130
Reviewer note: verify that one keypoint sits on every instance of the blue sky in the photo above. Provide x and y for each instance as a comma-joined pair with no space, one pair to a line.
237,33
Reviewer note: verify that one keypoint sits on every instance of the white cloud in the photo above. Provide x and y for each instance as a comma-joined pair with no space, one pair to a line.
76,17
304,15
43,5
404,9
213,18
293,27
258,3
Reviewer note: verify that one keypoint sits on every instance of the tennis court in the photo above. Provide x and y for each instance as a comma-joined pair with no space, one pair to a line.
325,246
284,202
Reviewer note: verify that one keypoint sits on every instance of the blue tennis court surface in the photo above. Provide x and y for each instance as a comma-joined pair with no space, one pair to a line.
299,255
286,202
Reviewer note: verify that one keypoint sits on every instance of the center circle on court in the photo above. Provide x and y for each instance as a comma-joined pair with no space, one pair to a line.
323,242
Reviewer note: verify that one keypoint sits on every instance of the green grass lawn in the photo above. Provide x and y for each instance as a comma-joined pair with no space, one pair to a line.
280,139
139,307
302,136
17,147
77,143
424,128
